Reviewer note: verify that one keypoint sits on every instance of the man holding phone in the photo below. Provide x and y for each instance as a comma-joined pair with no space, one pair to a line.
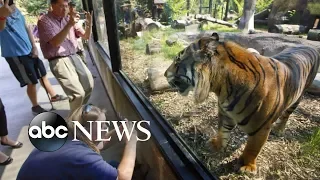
20,51
58,40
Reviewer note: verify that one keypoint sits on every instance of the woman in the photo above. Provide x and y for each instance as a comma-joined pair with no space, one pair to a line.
81,159
5,140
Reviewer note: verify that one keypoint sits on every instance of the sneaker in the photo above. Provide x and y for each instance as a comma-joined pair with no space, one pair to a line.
38,109
58,97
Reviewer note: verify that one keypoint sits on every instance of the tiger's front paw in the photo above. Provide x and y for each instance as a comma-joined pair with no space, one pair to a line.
247,165
251,169
216,143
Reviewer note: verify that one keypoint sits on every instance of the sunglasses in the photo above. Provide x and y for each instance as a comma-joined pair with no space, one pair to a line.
86,109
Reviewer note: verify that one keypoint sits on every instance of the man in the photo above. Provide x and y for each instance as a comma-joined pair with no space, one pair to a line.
19,49
57,35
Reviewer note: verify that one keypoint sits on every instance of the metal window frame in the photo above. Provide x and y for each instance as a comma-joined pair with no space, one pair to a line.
180,157
109,8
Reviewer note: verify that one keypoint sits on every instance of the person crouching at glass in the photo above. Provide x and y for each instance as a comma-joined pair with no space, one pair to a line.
81,159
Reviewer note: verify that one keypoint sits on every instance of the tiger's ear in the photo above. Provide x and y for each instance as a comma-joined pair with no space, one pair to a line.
215,36
209,41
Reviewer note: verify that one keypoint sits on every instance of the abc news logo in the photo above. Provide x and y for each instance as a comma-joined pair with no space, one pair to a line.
49,131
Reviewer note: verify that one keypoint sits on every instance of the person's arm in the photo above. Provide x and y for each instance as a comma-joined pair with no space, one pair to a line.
113,139
88,30
61,36
34,50
126,166
85,34
5,11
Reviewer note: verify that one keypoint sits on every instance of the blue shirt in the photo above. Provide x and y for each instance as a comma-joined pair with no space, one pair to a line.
14,38
74,160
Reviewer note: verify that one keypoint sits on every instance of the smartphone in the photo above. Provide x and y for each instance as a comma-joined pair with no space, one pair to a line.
82,15
10,2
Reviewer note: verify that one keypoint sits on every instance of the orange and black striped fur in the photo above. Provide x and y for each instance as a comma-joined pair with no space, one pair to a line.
254,92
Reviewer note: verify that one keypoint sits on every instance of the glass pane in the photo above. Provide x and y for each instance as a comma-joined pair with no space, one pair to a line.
152,34
101,24
149,42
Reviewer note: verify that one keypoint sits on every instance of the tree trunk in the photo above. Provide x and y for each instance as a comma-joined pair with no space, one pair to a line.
247,19
214,20
148,24
227,10
314,35
287,29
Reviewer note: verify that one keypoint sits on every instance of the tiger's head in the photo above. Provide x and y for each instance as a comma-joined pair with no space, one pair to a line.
194,68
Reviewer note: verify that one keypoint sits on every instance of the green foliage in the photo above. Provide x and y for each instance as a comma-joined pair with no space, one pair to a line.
312,147
178,8
139,44
291,13
262,5
31,20
169,52
218,27
314,8
34,7
239,6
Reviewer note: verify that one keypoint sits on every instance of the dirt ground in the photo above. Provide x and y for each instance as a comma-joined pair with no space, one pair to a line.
281,156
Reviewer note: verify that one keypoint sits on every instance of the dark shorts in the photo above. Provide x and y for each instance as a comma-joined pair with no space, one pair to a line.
26,69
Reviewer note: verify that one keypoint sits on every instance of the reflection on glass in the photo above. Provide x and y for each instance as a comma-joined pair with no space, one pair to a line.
101,24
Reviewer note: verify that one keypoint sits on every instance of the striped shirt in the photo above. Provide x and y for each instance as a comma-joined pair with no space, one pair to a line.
49,26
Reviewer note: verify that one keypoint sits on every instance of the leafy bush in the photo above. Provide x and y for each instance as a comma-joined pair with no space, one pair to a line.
217,27
262,5
312,147
314,8
178,8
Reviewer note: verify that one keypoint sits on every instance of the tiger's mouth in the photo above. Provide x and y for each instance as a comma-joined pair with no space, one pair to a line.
181,83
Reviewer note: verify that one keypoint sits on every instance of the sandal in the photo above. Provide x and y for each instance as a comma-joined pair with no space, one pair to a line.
19,145
58,97
8,161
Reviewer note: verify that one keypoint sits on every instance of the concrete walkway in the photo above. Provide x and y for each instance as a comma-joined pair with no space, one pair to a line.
19,115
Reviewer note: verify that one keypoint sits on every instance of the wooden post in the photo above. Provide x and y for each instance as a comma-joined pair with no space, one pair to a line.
222,11
210,7
226,13
215,10
188,7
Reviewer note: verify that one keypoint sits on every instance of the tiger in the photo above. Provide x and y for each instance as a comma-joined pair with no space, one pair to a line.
255,92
